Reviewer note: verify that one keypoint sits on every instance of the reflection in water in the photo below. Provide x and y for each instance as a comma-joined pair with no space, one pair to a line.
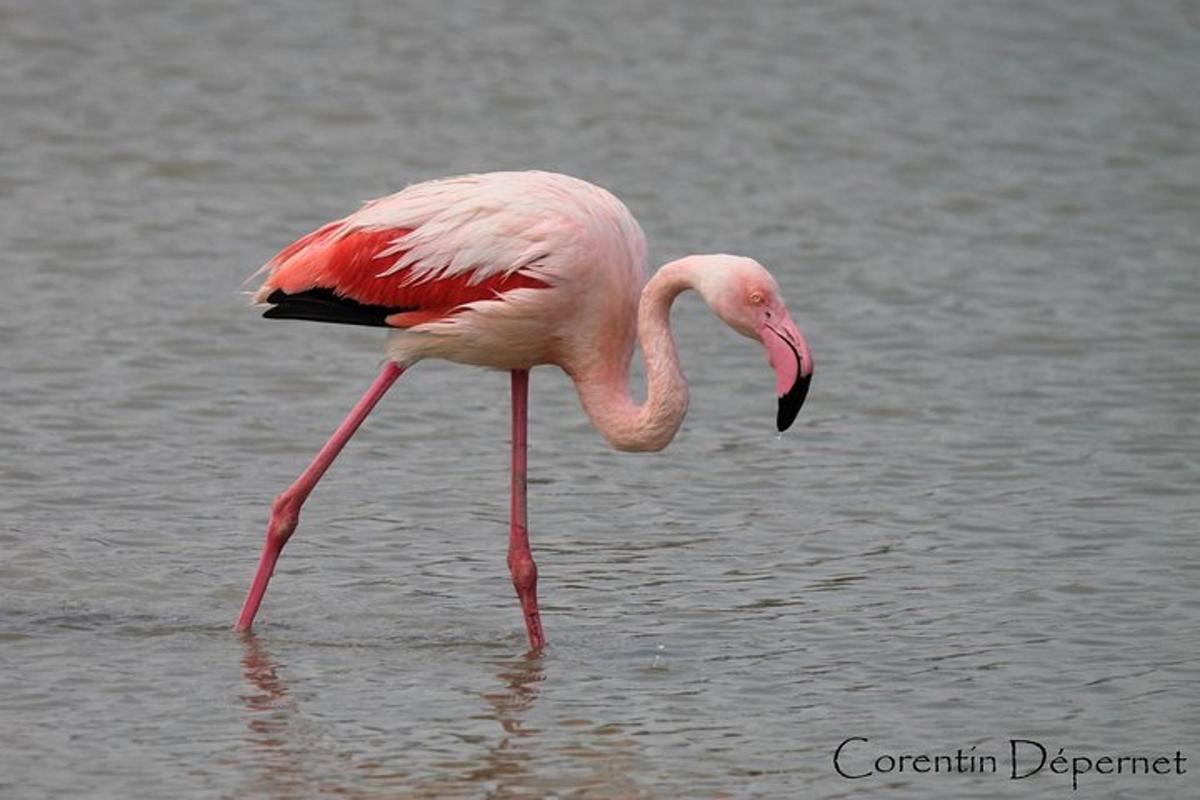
289,758
277,747
508,762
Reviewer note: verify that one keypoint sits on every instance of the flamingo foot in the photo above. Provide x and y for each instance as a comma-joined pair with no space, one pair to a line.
524,577
285,515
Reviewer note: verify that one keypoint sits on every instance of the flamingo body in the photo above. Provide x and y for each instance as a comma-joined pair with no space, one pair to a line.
511,270
505,270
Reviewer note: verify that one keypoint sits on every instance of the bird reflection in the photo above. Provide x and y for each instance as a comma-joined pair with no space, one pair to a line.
260,670
271,711
508,762
290,756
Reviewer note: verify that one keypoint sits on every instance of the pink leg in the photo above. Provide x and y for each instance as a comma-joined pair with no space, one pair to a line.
285,511
520,560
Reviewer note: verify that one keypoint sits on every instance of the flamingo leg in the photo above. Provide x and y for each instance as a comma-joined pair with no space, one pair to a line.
520,559
285,511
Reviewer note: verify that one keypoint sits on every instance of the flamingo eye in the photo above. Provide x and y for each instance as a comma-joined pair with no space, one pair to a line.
756,299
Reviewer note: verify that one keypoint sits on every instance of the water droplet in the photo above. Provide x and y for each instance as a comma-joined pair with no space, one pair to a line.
660,662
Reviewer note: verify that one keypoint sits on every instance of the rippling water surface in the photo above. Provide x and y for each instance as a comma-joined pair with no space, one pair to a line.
983,527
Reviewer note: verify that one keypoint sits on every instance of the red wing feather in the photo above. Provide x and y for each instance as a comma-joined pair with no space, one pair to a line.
347,263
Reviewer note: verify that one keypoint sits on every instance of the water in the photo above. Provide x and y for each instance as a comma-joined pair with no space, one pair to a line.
983,527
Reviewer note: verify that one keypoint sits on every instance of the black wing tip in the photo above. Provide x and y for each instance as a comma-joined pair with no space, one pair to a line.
323,305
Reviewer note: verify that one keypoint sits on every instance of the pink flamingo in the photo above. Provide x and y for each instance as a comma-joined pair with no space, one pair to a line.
509,270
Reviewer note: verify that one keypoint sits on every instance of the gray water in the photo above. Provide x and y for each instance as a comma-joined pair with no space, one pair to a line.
983,526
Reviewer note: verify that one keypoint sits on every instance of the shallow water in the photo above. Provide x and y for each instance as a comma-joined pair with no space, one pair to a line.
983,527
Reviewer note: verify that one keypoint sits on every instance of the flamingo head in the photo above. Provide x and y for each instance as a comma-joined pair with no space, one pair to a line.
743,294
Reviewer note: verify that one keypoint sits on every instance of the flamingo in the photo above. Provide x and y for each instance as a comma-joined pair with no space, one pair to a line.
510,270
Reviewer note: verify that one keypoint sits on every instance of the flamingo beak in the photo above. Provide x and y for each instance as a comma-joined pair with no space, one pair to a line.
789,356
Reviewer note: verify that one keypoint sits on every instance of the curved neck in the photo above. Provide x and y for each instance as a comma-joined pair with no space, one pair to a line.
604,391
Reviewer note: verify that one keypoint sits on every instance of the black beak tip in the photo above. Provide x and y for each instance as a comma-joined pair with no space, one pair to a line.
789,404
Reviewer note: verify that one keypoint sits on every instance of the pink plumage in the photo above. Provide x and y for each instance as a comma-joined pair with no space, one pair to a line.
373,259
511,270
